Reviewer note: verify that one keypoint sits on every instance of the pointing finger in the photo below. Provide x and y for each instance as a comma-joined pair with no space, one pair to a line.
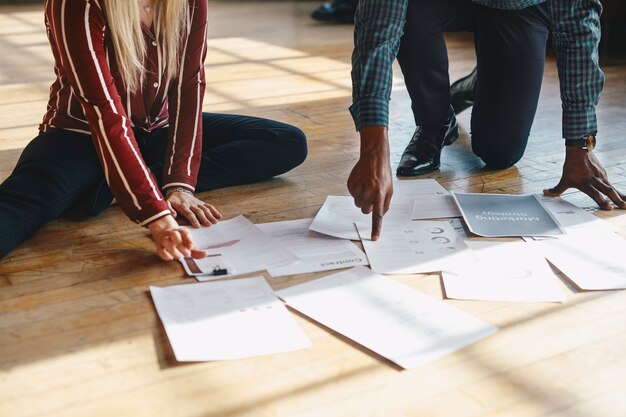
377,220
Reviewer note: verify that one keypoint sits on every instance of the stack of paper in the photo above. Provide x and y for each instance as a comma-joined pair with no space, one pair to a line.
316,252
226,320
415,247
503,272
389,318
239,246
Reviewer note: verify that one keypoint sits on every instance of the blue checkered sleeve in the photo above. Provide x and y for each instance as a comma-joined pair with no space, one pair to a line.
576,36
508,4
379,25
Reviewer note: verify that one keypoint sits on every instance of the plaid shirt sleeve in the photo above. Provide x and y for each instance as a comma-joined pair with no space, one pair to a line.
576,36
379,25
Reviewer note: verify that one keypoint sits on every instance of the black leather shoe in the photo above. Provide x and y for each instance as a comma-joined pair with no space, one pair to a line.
462,92
339,11
423,153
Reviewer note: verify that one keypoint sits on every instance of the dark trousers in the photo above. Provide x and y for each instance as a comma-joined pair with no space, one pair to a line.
60,169
510,49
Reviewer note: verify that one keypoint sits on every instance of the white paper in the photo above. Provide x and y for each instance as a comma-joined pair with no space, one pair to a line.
501,215
574,219
504,272
339,214
316,252
415,247
241,244
389,318
413,189
594,261
435,206
226,320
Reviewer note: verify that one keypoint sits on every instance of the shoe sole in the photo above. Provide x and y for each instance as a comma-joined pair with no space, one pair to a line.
402,173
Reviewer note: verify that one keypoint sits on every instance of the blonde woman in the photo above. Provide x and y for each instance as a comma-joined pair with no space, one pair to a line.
124,121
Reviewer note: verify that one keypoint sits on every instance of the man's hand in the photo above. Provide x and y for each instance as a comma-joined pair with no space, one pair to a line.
583,171
370,181
196,211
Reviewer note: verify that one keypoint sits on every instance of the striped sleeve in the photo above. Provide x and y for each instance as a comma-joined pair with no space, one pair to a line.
79,34
185,97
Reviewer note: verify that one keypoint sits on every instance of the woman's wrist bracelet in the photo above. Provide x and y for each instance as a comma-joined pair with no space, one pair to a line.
172,190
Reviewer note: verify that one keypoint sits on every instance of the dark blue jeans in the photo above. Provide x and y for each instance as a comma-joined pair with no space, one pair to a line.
510,49
60,169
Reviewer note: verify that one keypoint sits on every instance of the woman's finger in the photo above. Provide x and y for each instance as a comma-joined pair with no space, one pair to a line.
170,246
198,254
177,240
172,210
163,253
187,239
190,216
209,214
214,211
201,215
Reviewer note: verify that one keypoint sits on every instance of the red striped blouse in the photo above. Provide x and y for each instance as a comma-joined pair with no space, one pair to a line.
88,96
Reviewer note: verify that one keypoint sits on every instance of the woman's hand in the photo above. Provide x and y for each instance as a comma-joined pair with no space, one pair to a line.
172,242
196,211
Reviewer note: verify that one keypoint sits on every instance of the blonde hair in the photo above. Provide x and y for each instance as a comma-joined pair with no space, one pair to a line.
171,24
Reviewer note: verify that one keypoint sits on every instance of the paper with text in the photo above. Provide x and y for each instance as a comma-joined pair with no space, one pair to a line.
241,244
504,272
501,215
593,261
226,320
389,318
339,214
415,247
316,252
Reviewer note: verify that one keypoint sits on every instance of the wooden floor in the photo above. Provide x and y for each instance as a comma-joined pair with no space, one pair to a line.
79,335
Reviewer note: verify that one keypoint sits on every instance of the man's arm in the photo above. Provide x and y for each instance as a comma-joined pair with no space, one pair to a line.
576,37
378,28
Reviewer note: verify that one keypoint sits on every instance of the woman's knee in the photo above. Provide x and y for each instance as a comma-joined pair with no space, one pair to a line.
293,144
299,145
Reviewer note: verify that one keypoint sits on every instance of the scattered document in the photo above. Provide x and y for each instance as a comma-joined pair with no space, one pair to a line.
504,272
435,206
338,216
237,245
574,219
389,318
226,320
413,189
415,247
500,215
316,252
432,201
594,261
